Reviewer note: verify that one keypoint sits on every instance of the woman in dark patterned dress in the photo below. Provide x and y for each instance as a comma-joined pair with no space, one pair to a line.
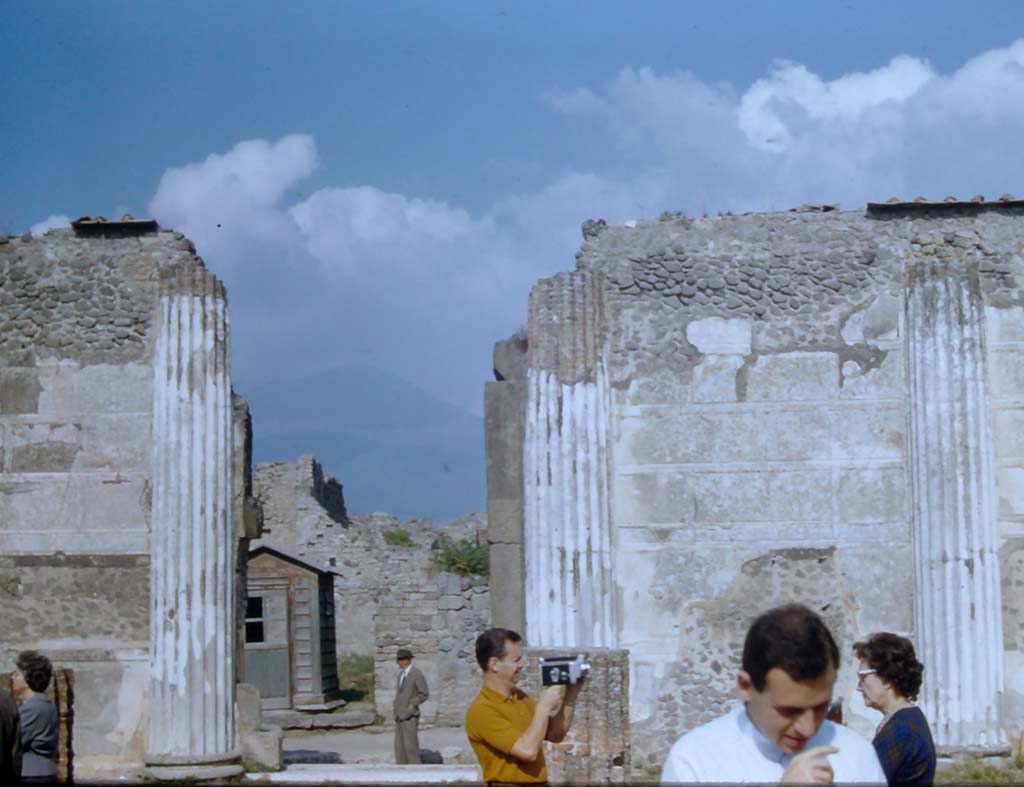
890,679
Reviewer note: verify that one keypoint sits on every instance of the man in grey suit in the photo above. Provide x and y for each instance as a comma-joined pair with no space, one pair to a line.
411,693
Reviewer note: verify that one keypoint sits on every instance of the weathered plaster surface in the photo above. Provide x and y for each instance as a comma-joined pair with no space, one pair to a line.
759,446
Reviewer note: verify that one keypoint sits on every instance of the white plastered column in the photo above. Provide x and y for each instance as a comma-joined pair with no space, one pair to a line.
192,696
567,517
957,609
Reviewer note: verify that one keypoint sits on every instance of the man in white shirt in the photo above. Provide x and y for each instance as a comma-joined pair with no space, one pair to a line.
779,734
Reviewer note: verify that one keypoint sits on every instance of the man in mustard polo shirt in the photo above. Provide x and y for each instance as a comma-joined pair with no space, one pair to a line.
506,728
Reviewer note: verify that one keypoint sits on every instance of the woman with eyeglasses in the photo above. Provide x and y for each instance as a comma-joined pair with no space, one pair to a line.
890,679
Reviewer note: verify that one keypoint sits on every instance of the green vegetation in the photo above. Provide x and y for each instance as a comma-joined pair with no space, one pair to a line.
355,678
466,557
397,537
975,770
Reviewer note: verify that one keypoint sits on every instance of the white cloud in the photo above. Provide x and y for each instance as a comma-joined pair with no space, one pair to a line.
50,223
349,227
423,288
792,89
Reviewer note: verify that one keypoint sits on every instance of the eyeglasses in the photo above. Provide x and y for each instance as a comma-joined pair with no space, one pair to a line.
863,673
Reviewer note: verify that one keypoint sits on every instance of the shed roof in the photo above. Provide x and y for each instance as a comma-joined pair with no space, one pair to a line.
263,549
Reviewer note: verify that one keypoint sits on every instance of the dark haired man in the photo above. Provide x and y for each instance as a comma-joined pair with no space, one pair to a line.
779,733
505,727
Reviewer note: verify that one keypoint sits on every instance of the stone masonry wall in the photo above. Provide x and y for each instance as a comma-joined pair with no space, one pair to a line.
386,595
78,319
76,342
759,436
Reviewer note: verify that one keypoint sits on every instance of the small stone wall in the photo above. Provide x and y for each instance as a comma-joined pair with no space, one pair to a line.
439,622
597,749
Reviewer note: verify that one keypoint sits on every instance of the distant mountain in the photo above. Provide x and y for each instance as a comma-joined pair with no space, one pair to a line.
392,446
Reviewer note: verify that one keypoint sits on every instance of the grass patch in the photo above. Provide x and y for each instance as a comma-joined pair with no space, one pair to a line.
397,537
466,556
355,678
977,770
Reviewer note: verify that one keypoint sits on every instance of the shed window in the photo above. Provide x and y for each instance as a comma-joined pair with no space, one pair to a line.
254,619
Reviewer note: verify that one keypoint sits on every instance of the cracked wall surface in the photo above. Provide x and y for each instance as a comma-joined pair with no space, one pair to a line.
759,434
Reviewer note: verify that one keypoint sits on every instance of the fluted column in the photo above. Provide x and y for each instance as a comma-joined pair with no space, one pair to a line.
567,519
957,607
192,718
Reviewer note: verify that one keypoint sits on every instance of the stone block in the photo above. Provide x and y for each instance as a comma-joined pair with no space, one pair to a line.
44,448
262,749
653,498
19,390
1004,326
883,382
504,430
763,496
1008,433
510,359
797,376
690,437
797,432
714,378
873,494
871,432
507,583
1010,489
505,521
1006,373
660,386
717,336
68,389
249,706
74,512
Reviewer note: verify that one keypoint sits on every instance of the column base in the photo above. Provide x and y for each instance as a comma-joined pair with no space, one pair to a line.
176,768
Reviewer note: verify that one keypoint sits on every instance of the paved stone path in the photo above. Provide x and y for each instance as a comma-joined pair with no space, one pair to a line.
371,745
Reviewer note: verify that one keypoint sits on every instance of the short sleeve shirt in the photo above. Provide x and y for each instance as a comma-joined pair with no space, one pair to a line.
493,725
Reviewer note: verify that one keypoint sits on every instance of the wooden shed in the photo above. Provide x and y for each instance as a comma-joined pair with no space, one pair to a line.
289,631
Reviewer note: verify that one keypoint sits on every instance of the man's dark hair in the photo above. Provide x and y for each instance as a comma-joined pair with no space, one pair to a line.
894,661
36,669
792,638
491,644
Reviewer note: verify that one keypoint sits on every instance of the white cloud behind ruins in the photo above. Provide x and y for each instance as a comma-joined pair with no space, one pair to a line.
421,288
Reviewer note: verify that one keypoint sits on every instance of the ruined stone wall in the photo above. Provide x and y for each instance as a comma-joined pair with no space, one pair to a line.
386,595
76,336
759,434
78,326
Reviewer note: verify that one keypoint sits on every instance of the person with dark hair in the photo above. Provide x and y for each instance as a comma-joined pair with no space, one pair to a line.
889,678
505,726
10,740
37,717
779,733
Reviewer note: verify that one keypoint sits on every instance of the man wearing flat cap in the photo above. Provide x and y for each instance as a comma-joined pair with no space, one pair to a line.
411,693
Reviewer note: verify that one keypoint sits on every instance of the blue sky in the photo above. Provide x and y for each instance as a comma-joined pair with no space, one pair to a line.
391,177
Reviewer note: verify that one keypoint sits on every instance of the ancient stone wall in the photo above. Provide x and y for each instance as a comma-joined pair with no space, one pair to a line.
79,319
759,433
387,595
76,336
